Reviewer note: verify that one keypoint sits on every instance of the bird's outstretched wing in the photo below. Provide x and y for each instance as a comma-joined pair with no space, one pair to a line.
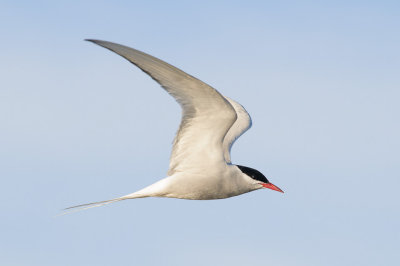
241,125
206,114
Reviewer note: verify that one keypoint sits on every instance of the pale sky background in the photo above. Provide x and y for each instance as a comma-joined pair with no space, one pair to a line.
321,80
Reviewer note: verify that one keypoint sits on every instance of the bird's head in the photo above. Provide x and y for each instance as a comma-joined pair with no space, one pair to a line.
260,181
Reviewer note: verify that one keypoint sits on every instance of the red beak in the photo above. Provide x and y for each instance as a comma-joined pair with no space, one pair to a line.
272,186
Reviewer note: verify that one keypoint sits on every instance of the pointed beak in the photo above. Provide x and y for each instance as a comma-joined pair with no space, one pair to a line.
272,186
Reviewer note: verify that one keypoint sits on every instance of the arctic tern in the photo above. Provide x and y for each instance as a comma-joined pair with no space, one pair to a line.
200,165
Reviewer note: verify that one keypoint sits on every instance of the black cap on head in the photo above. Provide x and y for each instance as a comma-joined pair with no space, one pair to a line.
253,173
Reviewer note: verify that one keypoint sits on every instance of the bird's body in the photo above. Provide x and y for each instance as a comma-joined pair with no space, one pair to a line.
212,184
200,165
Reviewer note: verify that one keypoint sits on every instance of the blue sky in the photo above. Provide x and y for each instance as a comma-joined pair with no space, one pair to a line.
79,124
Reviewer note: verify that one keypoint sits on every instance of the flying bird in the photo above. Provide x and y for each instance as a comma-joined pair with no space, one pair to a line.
200,165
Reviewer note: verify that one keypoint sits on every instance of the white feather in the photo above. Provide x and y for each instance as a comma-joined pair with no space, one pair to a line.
206,114
241,125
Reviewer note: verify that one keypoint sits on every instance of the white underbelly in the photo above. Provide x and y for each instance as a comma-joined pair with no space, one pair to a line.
200,187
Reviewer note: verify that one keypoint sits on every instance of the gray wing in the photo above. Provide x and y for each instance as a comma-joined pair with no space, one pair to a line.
241,125
206,114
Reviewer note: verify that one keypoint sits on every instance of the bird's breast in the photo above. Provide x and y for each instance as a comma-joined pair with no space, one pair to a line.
200,186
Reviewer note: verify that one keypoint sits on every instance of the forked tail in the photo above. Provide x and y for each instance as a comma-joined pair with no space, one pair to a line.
99,203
